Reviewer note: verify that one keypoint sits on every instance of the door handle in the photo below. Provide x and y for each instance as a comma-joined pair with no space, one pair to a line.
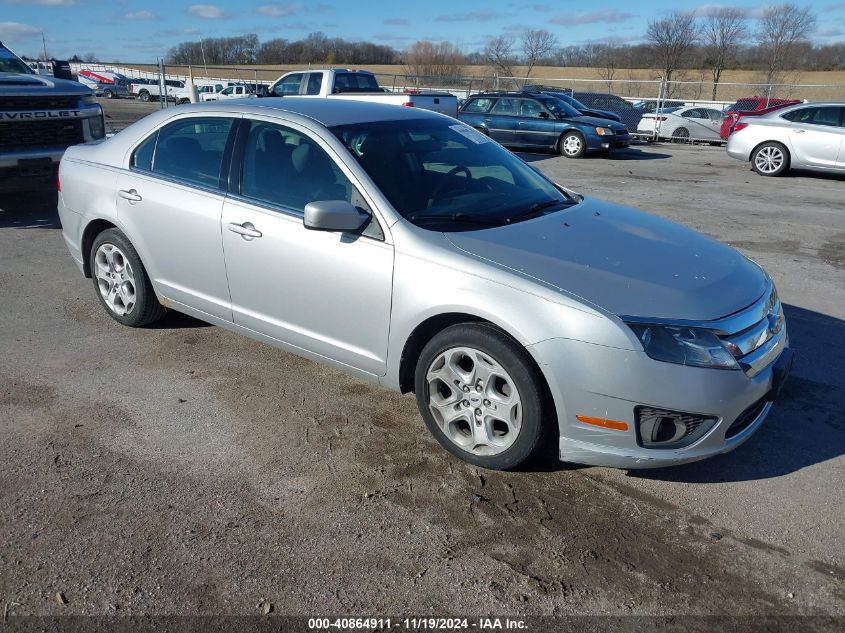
800,131
130,195
246,230
520,122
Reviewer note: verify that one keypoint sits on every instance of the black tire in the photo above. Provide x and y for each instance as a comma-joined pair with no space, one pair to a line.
108,94
773,149
513,358
184,101
144,96
680,135
562,145
146,308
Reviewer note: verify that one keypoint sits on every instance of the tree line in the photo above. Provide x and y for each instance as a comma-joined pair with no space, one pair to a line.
722,38
246,49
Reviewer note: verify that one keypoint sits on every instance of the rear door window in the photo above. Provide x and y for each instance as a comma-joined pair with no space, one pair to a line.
192,150
508,107
828,116
531,109
315,82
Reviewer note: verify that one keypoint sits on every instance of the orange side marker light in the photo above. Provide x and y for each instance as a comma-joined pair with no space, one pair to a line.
616,425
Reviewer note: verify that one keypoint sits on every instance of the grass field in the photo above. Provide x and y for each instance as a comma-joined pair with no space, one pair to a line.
637,82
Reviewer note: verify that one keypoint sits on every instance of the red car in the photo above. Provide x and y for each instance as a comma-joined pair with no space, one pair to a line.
750,106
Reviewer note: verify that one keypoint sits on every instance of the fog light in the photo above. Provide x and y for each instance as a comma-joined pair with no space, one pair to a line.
605,145
662,428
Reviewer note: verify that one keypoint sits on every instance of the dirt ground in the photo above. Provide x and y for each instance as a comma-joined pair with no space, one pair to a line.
183,470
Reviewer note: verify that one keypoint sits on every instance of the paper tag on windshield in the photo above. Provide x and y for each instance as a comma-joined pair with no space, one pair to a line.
471,133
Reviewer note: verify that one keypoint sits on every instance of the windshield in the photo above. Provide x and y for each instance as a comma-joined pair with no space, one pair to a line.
575,103
558,107
9,63
447,176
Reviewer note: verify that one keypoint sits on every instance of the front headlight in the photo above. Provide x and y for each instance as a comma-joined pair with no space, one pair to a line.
604,131
695,347
89,99
97,127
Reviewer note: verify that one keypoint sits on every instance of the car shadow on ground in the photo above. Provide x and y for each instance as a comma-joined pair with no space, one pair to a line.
30,209
805,428
630,153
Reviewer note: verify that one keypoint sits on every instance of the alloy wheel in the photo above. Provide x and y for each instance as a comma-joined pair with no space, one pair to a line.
115,279
474,401
769,159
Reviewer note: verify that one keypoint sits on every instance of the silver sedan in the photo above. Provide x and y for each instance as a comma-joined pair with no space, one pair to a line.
805,136
409,249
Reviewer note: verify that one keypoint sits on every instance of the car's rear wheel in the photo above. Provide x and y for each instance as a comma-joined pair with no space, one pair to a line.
108,94
481,396
770,159
122,284
572,145
681,135
144,95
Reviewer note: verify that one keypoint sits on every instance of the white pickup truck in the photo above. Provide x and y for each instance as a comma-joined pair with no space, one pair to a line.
231,92
152,91
359,85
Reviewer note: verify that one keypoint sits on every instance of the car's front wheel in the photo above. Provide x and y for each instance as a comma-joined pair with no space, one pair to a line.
572,145
121,282
145,96
770,159
481,396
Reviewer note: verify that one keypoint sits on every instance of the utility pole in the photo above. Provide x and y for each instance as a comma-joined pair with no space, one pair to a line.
44,45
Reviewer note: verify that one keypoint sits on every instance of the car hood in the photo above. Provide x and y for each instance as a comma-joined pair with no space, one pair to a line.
623,260
602,114
19,84
592,120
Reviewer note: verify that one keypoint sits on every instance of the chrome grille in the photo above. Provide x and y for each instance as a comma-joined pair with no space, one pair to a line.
10,104
757,345
55,133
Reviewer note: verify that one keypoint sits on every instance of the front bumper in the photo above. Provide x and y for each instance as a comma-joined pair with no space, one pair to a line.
608,383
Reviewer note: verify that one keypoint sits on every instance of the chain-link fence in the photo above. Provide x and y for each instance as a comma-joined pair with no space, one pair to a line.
680,111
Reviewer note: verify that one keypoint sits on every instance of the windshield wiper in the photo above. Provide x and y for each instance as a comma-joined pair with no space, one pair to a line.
460,218
537,209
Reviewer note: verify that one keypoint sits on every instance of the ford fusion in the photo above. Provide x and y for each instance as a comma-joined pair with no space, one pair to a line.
407,248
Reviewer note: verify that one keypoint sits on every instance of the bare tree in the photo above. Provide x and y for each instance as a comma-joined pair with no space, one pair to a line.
537,45
606,57
430,59
499,55
722,31
670,40
782,28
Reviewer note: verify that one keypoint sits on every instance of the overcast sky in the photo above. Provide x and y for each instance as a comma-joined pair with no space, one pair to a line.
141,30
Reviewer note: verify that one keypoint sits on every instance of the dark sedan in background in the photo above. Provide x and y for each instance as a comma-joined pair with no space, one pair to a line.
626,111
540,121
565,94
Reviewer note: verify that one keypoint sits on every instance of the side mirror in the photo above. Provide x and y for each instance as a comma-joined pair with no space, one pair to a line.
333,215
543,115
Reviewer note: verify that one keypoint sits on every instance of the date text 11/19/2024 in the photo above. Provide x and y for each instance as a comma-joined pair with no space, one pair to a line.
416,624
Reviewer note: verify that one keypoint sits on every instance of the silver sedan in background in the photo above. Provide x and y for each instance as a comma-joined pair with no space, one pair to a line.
804,136
411,250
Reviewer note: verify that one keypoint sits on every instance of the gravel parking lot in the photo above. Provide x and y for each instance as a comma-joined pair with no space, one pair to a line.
181,469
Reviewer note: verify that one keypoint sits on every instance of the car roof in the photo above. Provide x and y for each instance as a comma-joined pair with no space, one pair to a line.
328,112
